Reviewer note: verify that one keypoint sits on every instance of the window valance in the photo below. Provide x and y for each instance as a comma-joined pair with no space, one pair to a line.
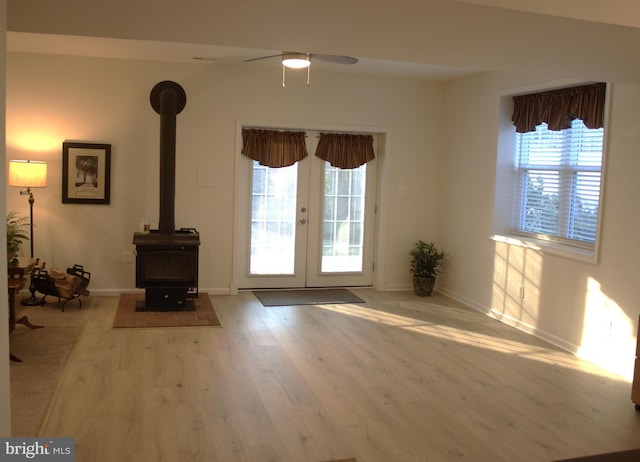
344,150
559,107
274,148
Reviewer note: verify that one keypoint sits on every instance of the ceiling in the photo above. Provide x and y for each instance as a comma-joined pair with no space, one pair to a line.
429,39
172,51
620,12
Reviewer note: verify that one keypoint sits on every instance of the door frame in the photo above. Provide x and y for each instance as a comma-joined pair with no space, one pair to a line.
379,217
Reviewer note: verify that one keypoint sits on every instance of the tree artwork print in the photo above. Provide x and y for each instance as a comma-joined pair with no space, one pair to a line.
86,171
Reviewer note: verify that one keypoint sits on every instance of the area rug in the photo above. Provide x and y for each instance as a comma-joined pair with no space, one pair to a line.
632,455
306,297
127,316
44,353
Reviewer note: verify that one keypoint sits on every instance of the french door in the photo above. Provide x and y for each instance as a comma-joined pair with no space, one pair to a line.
306,225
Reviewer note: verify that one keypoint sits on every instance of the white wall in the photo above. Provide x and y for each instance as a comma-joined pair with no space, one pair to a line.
5,392
53,98
588,308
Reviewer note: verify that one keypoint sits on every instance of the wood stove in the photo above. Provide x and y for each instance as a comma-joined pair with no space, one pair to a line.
166,258
167,268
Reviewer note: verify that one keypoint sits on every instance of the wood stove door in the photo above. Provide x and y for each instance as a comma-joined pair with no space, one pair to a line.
307,225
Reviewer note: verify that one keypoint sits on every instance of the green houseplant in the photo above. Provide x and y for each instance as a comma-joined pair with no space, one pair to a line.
17,228
426,261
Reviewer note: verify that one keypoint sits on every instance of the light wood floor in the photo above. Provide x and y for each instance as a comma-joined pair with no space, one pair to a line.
397,379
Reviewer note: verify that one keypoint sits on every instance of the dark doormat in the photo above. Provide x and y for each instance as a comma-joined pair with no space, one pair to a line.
306,297
632,455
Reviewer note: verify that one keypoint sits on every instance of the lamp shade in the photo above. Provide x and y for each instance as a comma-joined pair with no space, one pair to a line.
27,173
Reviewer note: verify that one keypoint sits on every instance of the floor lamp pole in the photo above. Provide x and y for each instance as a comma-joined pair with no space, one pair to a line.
31,201
31,301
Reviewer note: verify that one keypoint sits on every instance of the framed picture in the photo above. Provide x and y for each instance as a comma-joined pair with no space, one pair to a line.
86,173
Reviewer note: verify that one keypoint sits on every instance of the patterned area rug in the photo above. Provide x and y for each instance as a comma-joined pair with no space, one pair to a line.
127,316
44,353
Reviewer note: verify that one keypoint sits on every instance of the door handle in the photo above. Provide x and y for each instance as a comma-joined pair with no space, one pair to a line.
302,221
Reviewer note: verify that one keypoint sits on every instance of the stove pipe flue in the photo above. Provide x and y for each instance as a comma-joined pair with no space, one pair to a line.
167,99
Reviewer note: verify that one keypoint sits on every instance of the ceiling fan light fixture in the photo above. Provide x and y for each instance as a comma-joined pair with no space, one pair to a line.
295,60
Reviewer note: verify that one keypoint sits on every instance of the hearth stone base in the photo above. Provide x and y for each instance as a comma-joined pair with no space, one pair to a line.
187,305
165,299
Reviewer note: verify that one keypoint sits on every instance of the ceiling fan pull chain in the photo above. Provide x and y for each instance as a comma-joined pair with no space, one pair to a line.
308,74
283,72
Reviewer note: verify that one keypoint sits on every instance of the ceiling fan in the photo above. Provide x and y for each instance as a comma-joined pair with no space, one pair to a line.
297,60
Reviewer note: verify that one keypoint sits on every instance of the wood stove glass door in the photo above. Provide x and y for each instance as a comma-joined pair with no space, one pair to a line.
307,225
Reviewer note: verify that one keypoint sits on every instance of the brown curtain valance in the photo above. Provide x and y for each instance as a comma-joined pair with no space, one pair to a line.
559,107
274,148
345,150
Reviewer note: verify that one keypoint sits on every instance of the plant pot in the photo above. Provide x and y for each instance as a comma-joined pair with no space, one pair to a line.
423,285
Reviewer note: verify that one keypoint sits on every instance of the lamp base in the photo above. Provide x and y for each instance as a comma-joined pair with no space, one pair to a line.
31,301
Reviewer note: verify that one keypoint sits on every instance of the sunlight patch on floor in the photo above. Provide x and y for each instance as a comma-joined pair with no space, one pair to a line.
540,353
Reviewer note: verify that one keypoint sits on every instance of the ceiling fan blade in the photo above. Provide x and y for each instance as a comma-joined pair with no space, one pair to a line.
335,59
262,57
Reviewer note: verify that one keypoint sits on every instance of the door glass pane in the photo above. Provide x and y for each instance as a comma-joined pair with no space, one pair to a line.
273,217
343,219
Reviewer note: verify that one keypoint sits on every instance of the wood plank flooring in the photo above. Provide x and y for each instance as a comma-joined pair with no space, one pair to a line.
399,378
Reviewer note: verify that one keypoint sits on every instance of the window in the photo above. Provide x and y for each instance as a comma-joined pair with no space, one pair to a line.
558,183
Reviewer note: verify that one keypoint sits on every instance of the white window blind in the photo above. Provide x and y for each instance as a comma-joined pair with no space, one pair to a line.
558,187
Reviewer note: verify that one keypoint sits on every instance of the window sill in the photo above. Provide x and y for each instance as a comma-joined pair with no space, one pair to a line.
549,247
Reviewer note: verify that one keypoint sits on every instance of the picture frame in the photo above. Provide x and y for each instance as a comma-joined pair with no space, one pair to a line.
86,173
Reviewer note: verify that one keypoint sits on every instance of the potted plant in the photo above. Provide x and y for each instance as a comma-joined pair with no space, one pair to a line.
16,233
426,261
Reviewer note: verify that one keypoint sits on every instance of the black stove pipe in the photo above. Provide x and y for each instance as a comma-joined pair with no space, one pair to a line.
167,99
